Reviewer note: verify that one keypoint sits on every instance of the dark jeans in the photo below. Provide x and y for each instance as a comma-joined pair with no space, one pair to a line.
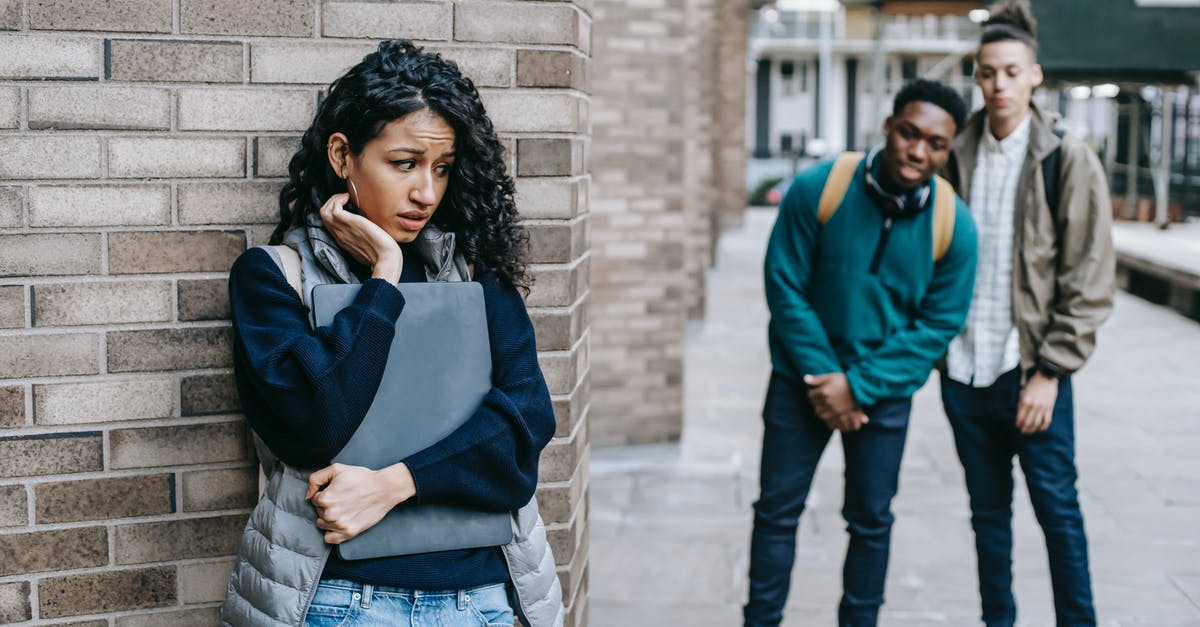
985,433
793,440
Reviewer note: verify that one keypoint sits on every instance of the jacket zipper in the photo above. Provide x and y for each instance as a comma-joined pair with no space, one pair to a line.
881,246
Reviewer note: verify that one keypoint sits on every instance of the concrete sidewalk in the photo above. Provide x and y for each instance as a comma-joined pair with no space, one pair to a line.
670,524
1162,266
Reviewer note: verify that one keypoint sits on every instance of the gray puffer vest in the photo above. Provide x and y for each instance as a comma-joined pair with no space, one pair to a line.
282,553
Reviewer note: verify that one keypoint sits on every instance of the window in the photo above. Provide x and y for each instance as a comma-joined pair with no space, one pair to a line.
787,71
785,143
908,69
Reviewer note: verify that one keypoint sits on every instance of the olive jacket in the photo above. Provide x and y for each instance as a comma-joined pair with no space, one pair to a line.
1064,264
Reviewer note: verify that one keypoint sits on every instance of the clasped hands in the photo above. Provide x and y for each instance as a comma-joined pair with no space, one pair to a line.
834,402
351,499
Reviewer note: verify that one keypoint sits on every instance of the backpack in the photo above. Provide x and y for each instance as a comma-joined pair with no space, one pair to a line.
944,205
1051,170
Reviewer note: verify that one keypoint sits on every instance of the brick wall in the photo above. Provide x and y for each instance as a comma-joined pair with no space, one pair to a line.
144,143
729,155
639,225
701,140
668,163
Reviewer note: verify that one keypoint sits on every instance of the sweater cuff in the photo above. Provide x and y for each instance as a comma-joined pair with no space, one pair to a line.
381,298
434,470
859,388
431,484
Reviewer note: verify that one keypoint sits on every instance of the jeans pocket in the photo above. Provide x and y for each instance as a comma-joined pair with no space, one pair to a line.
890,414
490,605
331,606
786,404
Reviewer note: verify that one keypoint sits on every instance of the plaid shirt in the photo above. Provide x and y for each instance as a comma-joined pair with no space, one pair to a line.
989,346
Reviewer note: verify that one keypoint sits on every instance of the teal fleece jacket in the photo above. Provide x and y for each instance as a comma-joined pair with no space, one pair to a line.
861,294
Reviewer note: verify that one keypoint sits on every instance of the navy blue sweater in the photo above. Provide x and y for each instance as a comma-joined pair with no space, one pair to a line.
305,392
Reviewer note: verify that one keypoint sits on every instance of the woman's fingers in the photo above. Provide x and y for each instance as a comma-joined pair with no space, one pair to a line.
366,241
335,532
336,201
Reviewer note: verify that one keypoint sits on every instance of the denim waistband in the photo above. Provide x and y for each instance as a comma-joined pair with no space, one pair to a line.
353,586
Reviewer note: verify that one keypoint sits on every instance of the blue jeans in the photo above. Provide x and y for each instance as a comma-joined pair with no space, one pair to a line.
342,603
793,440
985,433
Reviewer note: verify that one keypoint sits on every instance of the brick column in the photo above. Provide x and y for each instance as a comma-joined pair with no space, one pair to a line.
669,162
704,141
733,40
144,143
639,228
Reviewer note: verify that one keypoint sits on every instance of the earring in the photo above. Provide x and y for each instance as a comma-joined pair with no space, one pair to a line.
353,191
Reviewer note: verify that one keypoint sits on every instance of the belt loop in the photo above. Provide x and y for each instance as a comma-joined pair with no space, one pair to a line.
462,600
367,593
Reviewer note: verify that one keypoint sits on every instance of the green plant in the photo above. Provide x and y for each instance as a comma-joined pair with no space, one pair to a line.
759,195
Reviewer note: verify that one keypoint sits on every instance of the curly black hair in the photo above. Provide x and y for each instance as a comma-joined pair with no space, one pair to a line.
1011,21
398,79
933,92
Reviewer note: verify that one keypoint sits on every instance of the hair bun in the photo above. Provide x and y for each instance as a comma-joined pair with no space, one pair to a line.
1014,14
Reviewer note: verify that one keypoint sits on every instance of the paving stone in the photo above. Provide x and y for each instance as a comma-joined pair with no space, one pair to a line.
661,514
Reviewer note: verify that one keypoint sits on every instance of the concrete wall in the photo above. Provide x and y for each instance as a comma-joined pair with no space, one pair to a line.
143,144
668,160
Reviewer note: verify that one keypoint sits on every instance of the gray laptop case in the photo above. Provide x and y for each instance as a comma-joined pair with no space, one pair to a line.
438,371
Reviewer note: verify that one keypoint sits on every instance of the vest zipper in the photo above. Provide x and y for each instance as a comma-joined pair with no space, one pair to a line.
879,247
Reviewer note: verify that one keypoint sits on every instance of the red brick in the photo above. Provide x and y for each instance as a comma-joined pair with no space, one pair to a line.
45,551
169,349
178,539
180,445
14,602
102,499
208,394
209,490
12,406
12,306
111,591
168,252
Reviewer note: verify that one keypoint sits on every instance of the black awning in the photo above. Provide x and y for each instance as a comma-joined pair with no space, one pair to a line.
1117,40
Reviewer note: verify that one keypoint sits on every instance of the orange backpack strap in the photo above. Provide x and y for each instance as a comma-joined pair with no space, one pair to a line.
944,210
836,184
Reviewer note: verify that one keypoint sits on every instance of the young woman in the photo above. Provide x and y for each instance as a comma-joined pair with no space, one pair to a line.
400,178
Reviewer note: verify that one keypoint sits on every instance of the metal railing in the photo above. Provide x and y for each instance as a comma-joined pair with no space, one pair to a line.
807,25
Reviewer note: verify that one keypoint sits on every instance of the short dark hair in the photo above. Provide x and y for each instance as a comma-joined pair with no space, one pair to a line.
1011,20
935,93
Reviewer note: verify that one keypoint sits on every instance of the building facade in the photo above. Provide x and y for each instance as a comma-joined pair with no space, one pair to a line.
144,144
825,74
823,80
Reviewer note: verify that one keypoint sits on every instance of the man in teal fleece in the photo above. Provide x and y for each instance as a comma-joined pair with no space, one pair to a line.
860,311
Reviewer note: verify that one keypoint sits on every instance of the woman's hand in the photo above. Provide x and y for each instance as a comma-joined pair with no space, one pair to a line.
351,499
362,239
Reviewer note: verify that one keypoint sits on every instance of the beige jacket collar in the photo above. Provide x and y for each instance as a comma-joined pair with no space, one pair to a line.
1042,142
